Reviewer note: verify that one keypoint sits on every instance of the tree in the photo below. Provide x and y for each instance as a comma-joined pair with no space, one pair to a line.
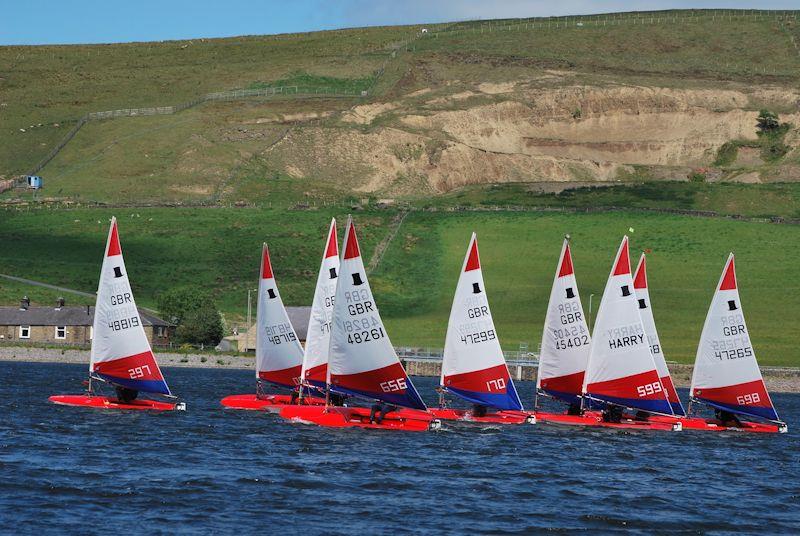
767,121
202,325
195,314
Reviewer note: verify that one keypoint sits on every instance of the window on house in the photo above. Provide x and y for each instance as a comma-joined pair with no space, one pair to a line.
91,332
161,331
61,332
24,332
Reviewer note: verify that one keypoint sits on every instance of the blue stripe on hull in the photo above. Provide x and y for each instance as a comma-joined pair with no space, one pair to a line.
508,400
657,406
148,386
569,398
750,411
410,399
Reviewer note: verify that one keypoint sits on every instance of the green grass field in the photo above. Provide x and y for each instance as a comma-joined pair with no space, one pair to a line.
218,249
519,252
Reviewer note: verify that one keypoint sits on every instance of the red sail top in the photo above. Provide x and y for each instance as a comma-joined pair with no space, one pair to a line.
474,261
623,265
333,244
266,265
566,263
113,240
351,249
729,279
640,280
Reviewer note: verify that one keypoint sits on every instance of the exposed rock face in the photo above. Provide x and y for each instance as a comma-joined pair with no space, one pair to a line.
574,133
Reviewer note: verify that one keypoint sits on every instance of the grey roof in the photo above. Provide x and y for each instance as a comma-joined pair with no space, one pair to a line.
299,317
71,315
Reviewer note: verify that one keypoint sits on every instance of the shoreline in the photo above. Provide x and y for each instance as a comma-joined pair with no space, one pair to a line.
778,379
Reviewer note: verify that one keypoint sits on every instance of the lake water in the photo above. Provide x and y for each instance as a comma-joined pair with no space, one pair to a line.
73,470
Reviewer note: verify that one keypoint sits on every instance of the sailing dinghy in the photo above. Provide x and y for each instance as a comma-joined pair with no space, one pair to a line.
315,360
643,299
473,365
279,355
621,372
726,374
565,342
362,361
121,354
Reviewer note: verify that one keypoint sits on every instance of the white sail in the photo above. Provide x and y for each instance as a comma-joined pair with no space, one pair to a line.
473,364
362,360
649,322
566,338
121,352
315,360
726,373
279,355
621,369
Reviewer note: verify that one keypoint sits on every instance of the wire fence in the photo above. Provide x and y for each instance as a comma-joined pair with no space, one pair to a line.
513,357
613,19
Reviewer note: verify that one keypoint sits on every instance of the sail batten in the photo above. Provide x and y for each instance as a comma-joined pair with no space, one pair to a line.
726,373
621,369
121,353
279,355
362,360
473,365
566,337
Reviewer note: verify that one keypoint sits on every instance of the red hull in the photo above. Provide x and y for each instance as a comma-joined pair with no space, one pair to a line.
271,403
713,425
595,419
104,402
341,417
499,417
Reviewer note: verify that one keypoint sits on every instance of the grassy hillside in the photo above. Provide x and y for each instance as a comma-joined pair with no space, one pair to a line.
679,49
219,248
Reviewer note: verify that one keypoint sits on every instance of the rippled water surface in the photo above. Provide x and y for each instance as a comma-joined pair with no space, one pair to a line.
74,470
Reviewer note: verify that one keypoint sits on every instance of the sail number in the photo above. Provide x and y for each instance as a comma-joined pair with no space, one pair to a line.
124,323
649,389
480,336
138,372
496,385
393,385
357,337
282,337
752,398
574,342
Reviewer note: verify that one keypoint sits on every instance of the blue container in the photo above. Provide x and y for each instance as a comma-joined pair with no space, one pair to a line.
35,182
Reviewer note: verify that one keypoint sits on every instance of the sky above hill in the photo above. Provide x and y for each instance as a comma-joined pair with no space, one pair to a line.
31,22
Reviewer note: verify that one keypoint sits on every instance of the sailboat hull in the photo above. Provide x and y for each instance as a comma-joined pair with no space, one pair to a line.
270,403
595,419
498,417
713,425
104,402
343,417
